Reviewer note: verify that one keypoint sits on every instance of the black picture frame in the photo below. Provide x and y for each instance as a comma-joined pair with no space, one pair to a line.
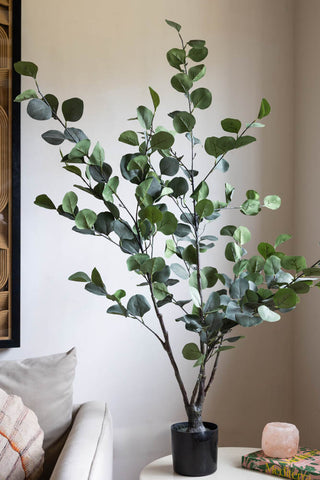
13,338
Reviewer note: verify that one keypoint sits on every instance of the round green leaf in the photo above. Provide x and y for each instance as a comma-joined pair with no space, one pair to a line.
211,275
284,237
232,252
272,265
26,95
294,262
272,201
54,137
153,265
179,270
179,186
162,141
285,298
183,122
138,305
79,277
167,224
201,98
189,254
45,202
160,290
250,207
85,219
152,213
197,72
69,202
38,109
169,166
53,102
204,208
130,137
176,57
145,117
28,69
72,109
231,125
191,351
104,223
198,54
174,25
265,249
181,82
242,235
244,140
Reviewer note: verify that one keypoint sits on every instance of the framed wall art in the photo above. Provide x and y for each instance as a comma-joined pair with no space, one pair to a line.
10,40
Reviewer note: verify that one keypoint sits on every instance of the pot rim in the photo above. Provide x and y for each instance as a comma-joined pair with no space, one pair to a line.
176,426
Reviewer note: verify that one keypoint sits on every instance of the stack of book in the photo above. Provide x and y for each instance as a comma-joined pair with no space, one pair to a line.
305,465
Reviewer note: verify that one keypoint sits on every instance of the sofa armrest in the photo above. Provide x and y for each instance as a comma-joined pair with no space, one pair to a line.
88,451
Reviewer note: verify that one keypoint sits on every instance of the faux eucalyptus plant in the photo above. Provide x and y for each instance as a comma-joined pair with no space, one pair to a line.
171,207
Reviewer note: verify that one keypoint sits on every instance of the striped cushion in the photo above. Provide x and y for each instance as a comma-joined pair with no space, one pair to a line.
21,453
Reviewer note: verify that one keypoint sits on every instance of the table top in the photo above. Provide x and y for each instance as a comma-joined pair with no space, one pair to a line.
229,467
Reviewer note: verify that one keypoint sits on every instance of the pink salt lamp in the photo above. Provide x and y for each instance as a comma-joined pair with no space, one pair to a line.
280,440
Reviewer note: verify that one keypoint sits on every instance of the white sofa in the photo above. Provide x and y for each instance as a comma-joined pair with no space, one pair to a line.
87,453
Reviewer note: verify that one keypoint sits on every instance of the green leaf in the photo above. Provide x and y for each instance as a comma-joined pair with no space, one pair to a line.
229,191
255,124
85,219
152,213
312,272
69,202
104,223
45,202
117,310
232,252
181,82
95,289
213,302
170,248
176,57
191,351
231,125
168,223
38,109
285,298
26,95
179,186
138,305
183,122
292,262
53,102
169,166
162,141
244,140
129,137
101,174
197,43
160,290
211,275
80,150
189,254
198,54
197,72
155,98
179,270
28,69
195,296
96,278
301,287
250,207
272,265
74,135
264,109
135,261
145,117
72,109
228,230
252,195
201,192
204,208
242,235
201,98
153,265
281,239
79,277
272,201
219,146
265,249
182,230
174,25
268,315
97,157
54,137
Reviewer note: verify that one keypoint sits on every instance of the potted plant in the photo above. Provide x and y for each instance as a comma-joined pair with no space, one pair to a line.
171,206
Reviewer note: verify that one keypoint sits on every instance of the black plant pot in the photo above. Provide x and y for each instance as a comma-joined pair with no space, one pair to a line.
194,454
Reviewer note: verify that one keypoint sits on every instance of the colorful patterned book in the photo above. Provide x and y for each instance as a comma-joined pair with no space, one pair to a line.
303,466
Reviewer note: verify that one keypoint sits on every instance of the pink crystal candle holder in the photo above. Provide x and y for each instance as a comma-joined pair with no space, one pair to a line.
280,440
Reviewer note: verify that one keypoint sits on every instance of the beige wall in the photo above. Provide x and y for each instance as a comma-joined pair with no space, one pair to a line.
306,357
109,55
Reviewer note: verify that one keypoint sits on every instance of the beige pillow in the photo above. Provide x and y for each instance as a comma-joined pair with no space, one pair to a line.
45,385
21,453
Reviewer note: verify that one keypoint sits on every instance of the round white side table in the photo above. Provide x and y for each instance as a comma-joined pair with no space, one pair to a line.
229,467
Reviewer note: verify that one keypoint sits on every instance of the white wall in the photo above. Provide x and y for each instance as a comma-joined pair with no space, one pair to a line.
306,216
108,53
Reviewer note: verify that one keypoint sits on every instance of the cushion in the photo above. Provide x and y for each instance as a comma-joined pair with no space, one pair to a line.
45,385
21,453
